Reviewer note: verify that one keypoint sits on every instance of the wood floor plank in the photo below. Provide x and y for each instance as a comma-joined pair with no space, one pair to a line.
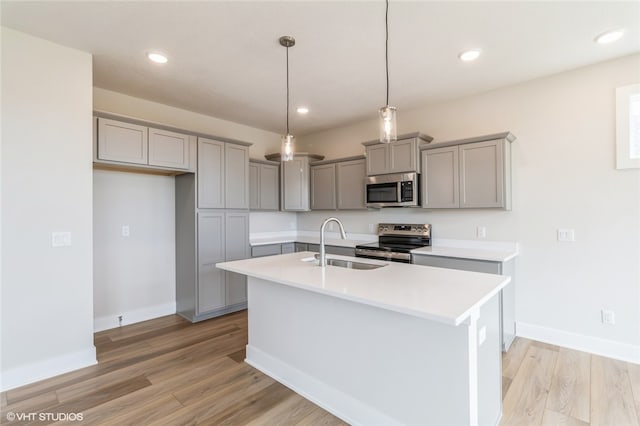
289,412
512,360
612,401
217,402
634,376
552,418
506,383
171,372
321,418
525,402
571,385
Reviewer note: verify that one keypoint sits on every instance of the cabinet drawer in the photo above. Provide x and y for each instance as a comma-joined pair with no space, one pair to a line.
267,250
301,247
288,248
462,264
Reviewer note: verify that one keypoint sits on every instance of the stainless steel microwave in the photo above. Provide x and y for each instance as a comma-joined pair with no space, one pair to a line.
393,190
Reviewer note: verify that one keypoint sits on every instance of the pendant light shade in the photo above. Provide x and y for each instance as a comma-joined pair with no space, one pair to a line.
287,146
388,126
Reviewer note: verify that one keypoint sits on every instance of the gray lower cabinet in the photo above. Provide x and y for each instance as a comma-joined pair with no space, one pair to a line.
288,248
298,247
266,250
205,237
264,188
469,173
507,295
339,250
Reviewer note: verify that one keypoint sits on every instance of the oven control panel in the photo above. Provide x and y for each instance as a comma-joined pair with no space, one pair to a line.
423,229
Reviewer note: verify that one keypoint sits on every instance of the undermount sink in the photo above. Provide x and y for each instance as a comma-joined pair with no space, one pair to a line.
346,263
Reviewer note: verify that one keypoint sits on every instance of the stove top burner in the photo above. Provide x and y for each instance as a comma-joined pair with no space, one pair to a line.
395,242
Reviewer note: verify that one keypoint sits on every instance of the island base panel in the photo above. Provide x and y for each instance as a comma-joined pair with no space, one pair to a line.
371,366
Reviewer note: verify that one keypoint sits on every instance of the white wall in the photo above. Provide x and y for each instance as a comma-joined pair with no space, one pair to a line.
564,176
134,276
47,293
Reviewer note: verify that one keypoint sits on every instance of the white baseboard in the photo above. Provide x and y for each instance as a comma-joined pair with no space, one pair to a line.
337,403
48,368
608,348
132,317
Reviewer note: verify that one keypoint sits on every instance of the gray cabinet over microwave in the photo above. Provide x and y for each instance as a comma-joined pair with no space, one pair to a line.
468,173
401,156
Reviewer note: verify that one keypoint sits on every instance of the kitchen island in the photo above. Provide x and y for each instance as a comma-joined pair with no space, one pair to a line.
401,344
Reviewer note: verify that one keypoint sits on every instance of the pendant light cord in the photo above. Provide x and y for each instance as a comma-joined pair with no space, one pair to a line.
287,90
386,46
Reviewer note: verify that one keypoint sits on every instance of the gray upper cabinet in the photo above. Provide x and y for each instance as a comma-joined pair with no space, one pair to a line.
338,184
482,174
136,146
236,176
323,187
469,173
211,162
168,149
264,188
295,181
223,175
440,178
122,142
401,156
350,184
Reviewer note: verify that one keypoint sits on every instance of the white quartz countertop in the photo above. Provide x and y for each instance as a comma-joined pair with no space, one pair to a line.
309,237
445,295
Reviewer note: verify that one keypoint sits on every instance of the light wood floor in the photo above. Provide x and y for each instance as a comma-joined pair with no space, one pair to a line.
170,372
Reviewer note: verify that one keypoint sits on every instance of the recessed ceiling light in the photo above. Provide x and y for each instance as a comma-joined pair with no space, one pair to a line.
156,57
609,37
469,55
302,110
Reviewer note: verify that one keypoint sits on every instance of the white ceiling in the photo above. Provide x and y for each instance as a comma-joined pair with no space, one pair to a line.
225,59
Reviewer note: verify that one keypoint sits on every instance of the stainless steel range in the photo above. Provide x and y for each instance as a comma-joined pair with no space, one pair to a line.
395,242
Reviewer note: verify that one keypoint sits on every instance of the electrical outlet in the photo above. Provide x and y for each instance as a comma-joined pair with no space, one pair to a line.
608,317
60,239
481,232
566,235
125,230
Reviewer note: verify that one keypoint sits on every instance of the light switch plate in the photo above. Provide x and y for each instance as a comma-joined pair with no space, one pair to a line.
125,231
566,235
481,232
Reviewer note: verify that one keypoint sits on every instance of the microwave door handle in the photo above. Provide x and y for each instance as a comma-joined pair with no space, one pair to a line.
399,196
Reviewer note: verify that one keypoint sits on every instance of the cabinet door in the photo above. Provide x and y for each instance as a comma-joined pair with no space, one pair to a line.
350,177
403,156
269,187
295,182
122,142
481,174
168,149
323,187
300,247
236,176
211,250
377,159
236,248
266,250
210,174
254,186
288,248
440,178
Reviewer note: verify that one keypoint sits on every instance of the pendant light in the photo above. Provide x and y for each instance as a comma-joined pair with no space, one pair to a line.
388,128
288,141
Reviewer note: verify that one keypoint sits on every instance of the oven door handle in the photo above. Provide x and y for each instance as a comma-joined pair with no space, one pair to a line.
383,254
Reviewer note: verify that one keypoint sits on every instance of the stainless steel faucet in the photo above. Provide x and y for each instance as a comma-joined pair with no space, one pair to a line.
323,255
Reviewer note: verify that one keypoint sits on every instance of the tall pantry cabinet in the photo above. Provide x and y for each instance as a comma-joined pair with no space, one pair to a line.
212,225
